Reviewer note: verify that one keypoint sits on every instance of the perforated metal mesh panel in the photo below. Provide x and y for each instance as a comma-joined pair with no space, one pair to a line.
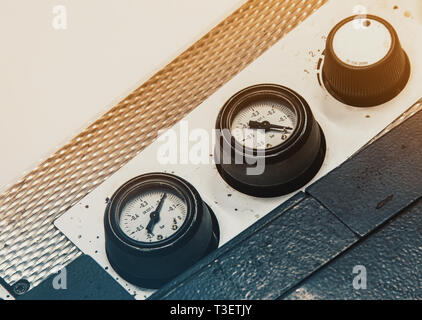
30,246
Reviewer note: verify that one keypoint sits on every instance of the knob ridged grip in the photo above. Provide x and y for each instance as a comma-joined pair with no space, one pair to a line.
366,85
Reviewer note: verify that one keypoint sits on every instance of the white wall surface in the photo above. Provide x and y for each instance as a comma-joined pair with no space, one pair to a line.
54,83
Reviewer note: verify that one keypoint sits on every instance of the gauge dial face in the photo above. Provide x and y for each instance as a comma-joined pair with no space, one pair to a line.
152,216
279,118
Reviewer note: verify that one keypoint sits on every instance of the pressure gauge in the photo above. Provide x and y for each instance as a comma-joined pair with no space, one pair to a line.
156,226
364,63
269,128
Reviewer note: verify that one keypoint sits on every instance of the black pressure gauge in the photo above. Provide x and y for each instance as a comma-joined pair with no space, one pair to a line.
268,143
156,226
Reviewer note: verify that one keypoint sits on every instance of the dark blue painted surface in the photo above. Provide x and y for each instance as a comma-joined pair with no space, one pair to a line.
85,280
378,182
205,279
291,245
392,258
290,248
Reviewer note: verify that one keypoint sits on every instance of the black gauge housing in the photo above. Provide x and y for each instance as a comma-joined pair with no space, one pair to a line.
289,165
150,265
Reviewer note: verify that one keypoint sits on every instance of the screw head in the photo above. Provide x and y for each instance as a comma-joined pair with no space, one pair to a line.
21,286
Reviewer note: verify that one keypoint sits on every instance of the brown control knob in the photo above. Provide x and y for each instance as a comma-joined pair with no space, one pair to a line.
364,63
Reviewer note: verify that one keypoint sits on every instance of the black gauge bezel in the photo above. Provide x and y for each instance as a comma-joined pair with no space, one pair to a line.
288,166
152,264
142,184
255,93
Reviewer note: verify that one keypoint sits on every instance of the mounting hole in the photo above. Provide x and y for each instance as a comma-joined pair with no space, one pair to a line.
21,286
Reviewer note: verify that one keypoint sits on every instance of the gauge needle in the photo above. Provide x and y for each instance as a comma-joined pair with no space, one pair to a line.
155,215
266,125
